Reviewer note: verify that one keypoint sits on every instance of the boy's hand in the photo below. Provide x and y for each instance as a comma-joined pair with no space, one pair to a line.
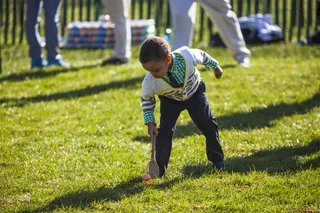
218,72
152,129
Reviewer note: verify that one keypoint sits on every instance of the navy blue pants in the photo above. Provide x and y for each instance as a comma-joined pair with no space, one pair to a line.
51,12
200,113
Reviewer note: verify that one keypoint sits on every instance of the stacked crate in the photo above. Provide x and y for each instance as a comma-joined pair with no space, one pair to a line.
100,34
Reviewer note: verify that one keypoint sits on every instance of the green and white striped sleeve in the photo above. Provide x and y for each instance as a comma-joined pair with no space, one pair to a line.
148,101
201,57
148,106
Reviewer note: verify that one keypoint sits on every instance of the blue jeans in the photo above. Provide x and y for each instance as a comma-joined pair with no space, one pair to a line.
200,113
51,10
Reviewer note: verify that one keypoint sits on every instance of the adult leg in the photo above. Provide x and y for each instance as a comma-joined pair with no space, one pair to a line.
119,12
200,113
32,30
220,12
169,113
183,14
52,24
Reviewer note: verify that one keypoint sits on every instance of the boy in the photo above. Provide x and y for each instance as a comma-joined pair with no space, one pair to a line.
175,79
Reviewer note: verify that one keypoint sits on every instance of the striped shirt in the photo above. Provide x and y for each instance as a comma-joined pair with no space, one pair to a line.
183,72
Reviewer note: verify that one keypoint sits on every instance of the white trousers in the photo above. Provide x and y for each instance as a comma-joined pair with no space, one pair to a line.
119,12
219,11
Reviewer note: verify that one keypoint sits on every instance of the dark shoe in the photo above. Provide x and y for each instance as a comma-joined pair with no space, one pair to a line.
113,61
59,63
162,170
219,165
38,63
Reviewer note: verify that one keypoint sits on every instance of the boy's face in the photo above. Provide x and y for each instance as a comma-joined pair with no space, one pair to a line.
158,68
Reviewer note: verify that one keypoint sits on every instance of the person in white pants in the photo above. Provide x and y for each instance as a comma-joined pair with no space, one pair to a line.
220,12
118,10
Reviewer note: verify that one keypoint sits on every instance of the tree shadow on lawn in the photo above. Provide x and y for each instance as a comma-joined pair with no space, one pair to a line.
90,90
278,160
274,161
43,73
224,67
142,138
257,118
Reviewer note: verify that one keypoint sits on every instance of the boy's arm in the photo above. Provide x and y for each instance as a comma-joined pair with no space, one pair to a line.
201,57
148,102
149,120
148,106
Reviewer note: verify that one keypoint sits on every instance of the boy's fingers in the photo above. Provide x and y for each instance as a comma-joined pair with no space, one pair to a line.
218,74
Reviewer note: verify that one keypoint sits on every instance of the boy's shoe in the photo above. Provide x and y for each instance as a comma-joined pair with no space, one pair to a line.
58,62
113,61
219,165
40,63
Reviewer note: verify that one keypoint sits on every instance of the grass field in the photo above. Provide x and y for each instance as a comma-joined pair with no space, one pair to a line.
73,140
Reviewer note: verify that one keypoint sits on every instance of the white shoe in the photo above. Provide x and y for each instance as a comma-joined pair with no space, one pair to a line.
244,62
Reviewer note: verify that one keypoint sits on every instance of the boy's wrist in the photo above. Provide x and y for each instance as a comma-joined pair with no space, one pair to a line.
151,123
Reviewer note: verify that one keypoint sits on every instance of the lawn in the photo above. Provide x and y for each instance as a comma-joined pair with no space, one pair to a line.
73,140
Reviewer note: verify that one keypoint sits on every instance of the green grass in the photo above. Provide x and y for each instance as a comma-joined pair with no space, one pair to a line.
74,140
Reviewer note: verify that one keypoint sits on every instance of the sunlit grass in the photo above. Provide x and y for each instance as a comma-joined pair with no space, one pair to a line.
74,140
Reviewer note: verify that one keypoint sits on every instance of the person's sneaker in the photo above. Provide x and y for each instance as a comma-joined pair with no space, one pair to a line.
58,62
113,61
219,165
244,62
38,63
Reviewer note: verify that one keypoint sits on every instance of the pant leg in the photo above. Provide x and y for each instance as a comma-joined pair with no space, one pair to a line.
32,30
200,113
119,12
52,24
221,14
183,13
169,113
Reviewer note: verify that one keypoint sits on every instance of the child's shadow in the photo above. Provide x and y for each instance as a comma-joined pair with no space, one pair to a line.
83,199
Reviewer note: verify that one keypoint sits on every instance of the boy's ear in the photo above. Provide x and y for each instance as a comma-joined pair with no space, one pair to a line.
169,59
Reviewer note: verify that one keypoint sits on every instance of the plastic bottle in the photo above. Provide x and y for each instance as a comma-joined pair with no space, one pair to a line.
167,35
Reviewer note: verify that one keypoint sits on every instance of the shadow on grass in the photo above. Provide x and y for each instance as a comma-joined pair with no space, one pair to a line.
278,160
274,161
43,73
84,199
226,66
143,139
257,118
91,90
284,159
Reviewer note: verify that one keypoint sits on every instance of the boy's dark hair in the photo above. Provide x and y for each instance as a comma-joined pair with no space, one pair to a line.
154,49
